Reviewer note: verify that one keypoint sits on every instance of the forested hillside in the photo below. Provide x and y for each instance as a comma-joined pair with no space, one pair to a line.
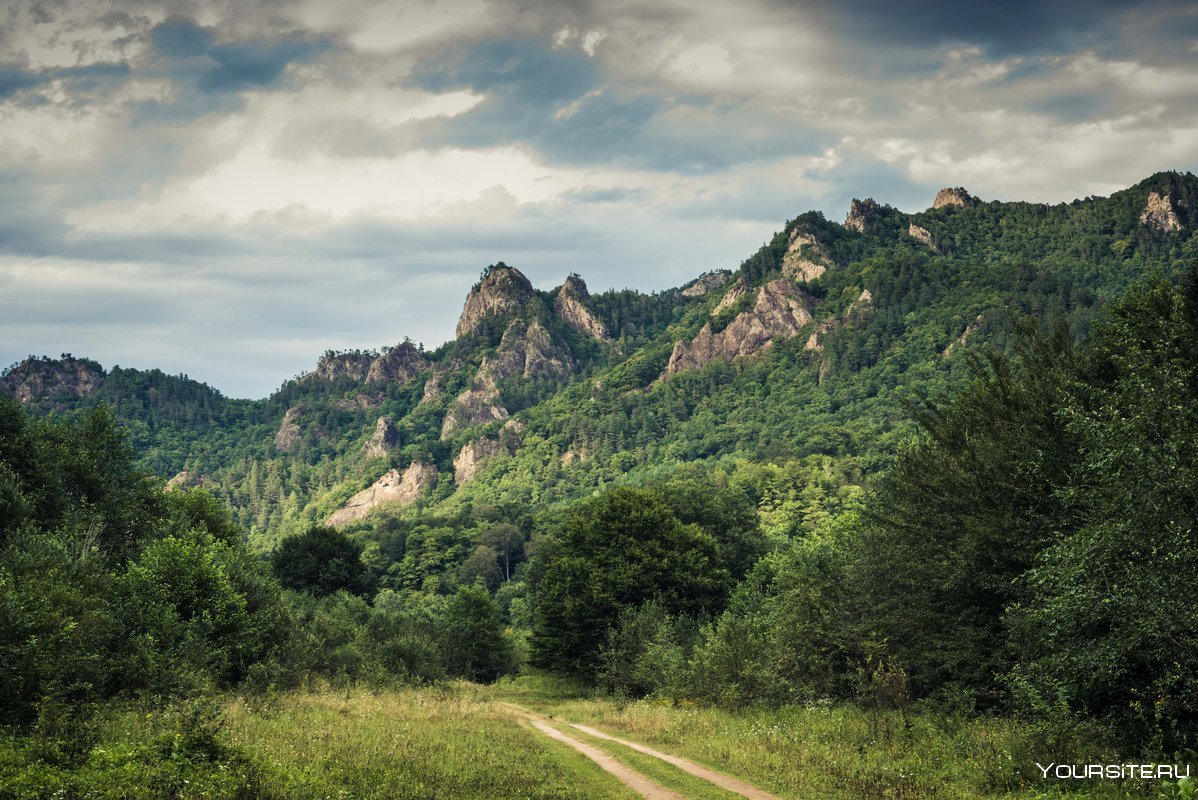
941,460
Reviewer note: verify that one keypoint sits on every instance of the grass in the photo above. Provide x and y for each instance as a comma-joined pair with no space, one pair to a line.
833,752
459,742
426,743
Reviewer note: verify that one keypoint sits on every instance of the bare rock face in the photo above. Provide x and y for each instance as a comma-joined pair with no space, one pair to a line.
186,480
954,197
391,489
501,291
527,350
861,213
921,235
40,378
779,310
384,439
473,457
478,405
289,431
705,283
1160,215
732,296
805,258
398,365
334,366
570,305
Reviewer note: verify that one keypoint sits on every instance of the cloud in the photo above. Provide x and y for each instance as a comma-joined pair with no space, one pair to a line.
185,179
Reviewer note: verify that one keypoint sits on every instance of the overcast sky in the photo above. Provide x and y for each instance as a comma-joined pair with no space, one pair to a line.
227,189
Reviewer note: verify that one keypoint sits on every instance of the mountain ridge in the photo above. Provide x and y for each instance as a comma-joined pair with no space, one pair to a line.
832,323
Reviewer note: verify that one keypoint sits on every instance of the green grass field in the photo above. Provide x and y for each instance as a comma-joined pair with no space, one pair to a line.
462,742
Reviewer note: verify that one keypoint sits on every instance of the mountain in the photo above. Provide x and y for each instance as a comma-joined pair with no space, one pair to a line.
788,377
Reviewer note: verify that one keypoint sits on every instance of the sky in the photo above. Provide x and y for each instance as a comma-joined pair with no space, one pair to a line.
227,189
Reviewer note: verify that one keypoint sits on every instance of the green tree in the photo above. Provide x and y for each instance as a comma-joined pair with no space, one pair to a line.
474,644
321,561
617,551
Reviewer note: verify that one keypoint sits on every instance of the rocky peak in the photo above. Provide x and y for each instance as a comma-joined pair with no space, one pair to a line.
805,258
1160,214
780,310
384,439
393,488
335,366
398,365
46,378
861,213
501,291
570,305
954,197
705,283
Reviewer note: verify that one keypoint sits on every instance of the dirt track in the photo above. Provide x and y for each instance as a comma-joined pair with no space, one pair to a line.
630,777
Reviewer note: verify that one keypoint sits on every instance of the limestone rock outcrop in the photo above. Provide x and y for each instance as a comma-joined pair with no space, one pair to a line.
1160,215
731,297
384,439
780,310
805,258
978,323
44,378
288,435
921,235
861,213
570,304
707,282
393,488
501,291
527,350
334,366
398,365
954,196
473,457
186,480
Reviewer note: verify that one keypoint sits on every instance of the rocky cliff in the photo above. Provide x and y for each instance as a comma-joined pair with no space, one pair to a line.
954,197
384,439
288,435
805,258
921,235
334,366
391,489
398,365
861,214
705,283
45,378
527,351
1160,215
731,297
571,305
501,291
473,456
780,309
